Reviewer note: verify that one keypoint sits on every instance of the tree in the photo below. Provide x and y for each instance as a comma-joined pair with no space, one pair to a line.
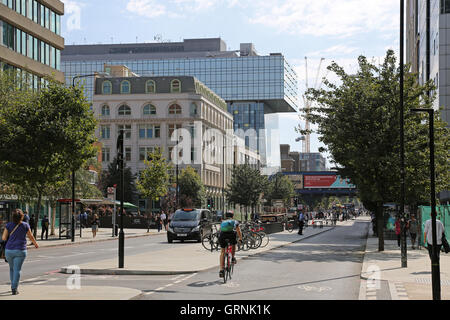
358,121
111,176
280,188
191,189
153,182
44,135
246,186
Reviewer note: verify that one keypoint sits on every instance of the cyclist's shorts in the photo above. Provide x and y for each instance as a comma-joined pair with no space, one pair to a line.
227,235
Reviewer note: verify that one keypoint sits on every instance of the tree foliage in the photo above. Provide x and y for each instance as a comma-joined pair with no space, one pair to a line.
44,134
153,182
280,187
191,188
246,186
359,122
111,177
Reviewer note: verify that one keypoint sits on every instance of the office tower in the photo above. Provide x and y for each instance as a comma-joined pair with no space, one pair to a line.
30,38
253,86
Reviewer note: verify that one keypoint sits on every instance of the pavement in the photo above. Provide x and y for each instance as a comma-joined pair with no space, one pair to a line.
411,283
103,234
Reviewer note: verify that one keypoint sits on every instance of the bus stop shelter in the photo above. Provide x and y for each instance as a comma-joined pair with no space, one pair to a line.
65,216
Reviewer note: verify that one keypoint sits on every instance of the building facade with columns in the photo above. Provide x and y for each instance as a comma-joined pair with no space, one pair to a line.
150,110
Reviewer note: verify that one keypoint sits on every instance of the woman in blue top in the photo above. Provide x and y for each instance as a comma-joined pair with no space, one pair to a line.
16,248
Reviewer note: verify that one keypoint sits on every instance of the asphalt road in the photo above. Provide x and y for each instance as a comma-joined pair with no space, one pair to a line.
323,267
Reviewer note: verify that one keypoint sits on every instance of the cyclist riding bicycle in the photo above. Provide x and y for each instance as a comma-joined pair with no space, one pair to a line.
228,230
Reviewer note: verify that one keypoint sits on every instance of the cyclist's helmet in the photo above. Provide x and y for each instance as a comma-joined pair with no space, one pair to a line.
229,214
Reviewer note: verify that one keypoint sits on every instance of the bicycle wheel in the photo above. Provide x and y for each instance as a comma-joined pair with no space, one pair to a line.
264,239
255,241
208,242
290,227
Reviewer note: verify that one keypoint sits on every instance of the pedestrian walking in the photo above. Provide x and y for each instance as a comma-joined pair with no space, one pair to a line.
44,226
84,219
94,225
301,222
15,234
428,236
26,217
164,220
158,222
413,228
398,230
32,223
374,225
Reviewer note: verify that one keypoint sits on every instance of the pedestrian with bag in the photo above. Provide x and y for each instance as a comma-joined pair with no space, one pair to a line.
428,236
413,228
398,230
158,222
14,235
44,226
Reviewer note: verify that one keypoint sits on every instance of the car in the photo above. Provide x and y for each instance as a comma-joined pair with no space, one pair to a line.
189,224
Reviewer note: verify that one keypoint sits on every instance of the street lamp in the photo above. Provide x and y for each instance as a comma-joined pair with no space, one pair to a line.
435,272
120,160
402,139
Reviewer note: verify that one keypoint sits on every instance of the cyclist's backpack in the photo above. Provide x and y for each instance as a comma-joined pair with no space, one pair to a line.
227,226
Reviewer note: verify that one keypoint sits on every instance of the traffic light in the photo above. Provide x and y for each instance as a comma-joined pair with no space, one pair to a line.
120,150
209,203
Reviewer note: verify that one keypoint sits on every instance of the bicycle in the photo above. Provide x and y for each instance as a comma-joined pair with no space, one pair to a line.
210,241
228,264
289,226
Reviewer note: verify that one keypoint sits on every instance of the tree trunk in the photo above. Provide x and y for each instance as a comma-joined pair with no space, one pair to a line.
38,210
380,226
52,233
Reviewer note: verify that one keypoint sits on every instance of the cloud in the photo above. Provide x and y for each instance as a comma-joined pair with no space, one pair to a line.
171,8
334,51
146,8
338,18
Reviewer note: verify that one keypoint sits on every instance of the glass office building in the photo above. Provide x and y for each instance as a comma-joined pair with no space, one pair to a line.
30,38
252,85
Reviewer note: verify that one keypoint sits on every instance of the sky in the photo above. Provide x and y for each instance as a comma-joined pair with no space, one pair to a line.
336,30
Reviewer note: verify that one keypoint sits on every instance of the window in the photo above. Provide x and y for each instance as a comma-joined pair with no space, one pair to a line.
174,109
127,130
124,110
105,110
175,86
107,87
144,153
193,110
149,131
105,132
105,154
172,128
149,109
445,6
150,86
125,87
128,154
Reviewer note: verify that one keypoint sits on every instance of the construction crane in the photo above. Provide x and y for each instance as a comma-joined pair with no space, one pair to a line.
307,141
